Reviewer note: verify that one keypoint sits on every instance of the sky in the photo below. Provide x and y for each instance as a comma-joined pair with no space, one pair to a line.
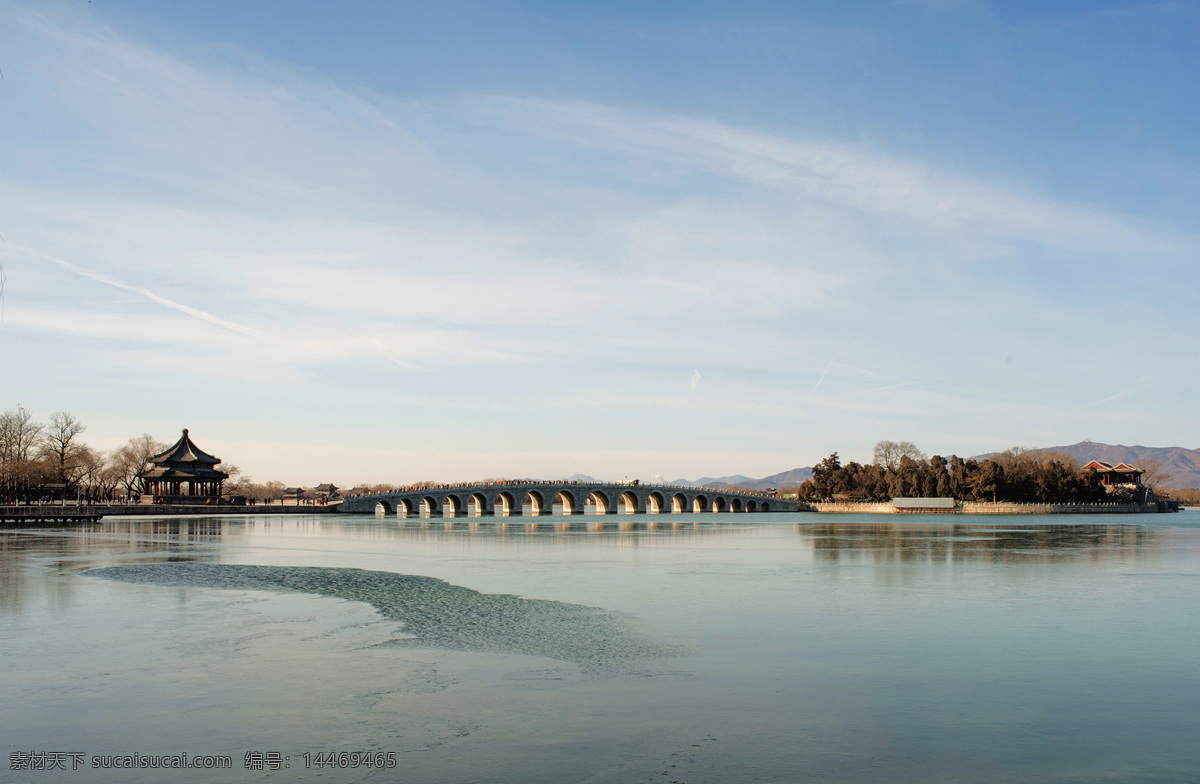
390,242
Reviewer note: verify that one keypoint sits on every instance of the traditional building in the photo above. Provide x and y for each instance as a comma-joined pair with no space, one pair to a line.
1113,475
183,474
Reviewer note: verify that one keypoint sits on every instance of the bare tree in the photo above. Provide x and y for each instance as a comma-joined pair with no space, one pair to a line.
91,471
272,490
132,459
1014,456
1154,473
18,435
61,447
108,481
236,484
888,453
1188,496
1065,459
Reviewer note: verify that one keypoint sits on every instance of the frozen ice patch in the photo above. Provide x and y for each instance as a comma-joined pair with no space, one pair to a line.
435,613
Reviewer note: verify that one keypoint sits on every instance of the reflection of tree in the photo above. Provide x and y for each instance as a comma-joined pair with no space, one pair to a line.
888,542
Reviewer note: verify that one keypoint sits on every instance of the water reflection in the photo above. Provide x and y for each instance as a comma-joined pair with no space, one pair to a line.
888,542
849,536
34,563
26,557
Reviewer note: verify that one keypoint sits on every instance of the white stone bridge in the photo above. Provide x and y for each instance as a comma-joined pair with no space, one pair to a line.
509,499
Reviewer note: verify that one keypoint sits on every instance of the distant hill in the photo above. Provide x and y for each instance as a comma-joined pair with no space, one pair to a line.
709,481
785,479
1182,464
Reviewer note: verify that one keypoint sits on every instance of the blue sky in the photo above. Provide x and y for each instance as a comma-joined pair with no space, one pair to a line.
402,241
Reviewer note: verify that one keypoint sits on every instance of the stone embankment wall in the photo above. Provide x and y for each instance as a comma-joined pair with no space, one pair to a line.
985,507
172,509
979,507
877,507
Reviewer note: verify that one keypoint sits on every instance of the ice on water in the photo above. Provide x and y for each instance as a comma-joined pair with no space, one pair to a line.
435,613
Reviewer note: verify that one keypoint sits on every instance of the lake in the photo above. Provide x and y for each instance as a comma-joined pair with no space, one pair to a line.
673,648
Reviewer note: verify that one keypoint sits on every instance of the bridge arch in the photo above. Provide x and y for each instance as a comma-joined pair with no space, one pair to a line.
719,505
764,507
404,507
563,503
477,506
627,503
504,505
699,504
382,507
735,505
599,501
536,503
452,506
751,506
430,507
679,503
654,503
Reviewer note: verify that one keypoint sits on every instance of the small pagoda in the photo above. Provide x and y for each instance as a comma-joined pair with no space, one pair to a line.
183,474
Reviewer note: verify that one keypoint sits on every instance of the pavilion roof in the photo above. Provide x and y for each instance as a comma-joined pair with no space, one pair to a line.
184,451
184,461
1103,468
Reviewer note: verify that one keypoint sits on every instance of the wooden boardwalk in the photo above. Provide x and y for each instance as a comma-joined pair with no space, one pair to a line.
65,515
52,515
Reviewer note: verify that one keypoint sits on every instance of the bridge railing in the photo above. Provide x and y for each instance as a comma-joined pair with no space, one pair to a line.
534,484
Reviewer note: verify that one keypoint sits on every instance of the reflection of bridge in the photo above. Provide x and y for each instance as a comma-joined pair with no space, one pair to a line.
562,498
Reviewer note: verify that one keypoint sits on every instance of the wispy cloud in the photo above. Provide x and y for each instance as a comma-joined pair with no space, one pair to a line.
150,295
466,250
851,175
825,372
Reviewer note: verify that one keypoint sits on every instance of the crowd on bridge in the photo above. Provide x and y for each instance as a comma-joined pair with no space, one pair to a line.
500,483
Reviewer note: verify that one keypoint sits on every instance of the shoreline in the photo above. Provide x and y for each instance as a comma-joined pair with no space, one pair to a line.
39,515
990,508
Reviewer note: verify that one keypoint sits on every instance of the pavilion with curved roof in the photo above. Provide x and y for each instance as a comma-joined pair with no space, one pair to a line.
184,472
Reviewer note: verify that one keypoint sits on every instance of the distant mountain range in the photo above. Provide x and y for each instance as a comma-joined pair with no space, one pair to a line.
1182,464
785,479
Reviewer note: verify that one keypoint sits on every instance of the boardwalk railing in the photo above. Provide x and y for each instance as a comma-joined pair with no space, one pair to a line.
51,514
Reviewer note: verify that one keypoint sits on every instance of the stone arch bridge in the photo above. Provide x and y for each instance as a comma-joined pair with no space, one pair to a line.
561,498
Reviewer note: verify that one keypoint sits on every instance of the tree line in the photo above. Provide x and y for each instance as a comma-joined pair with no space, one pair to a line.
49,460
900,470
43,460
